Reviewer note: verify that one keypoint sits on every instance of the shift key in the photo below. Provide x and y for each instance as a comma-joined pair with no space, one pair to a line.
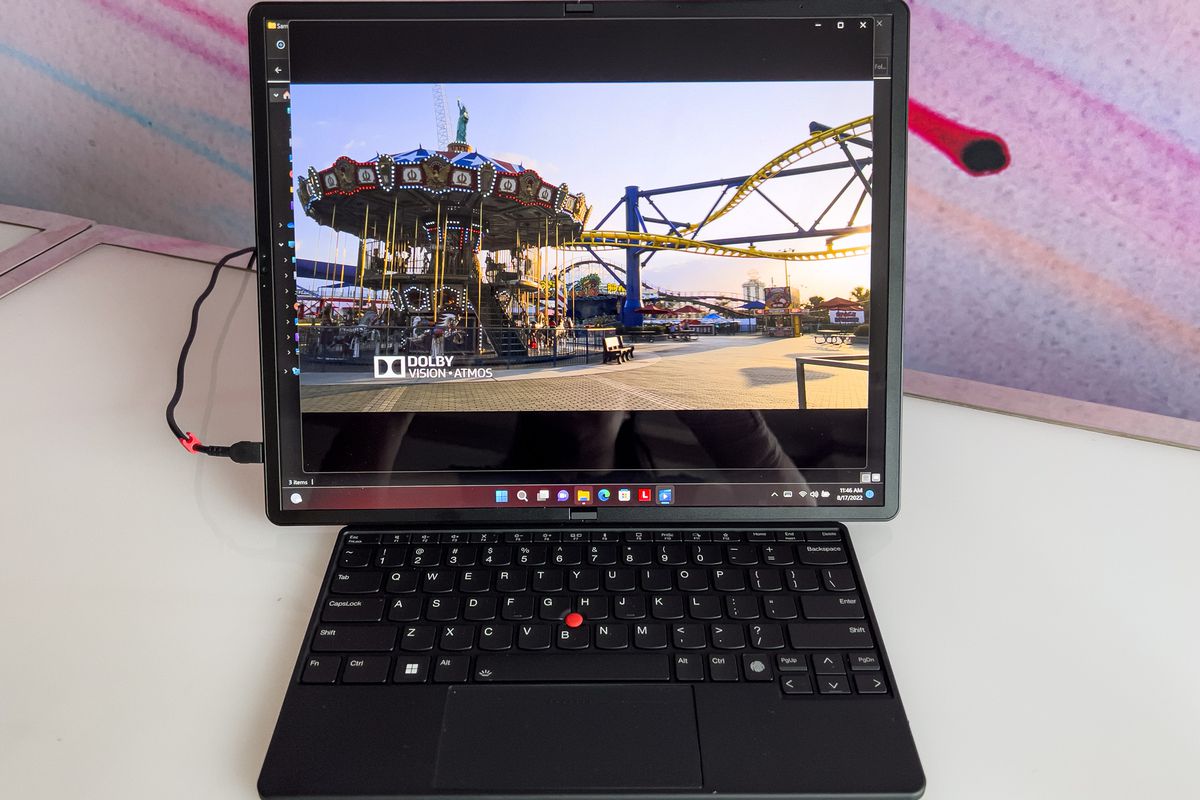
357,639
830,636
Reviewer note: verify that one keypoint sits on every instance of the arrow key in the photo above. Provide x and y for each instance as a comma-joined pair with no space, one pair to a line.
795,684
870,684
833,684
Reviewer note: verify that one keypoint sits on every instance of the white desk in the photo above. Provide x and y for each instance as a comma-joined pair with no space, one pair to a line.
1037,593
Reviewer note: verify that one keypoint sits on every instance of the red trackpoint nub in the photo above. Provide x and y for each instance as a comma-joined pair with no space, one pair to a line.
574,619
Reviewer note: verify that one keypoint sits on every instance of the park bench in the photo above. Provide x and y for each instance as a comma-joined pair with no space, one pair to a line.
614,350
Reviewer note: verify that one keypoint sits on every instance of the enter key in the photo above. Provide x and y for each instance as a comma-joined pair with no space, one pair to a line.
833,606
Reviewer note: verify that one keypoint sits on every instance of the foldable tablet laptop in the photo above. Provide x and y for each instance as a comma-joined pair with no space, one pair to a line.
584,320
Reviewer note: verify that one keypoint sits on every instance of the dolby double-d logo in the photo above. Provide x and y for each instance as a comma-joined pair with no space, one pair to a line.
399,366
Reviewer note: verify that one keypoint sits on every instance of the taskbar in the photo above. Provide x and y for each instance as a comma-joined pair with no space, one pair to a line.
867,492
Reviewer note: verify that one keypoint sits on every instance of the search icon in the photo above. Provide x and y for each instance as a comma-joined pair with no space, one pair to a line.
523,496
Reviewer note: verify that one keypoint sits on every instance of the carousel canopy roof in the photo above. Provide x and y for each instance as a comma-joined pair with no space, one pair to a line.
401,197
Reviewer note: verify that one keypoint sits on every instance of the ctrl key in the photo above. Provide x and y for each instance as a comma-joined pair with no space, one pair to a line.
366,669
321,669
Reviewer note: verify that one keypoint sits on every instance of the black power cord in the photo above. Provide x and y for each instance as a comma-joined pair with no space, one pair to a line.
241,452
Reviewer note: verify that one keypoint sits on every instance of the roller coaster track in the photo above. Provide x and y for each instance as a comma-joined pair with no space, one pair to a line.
814,144
613,240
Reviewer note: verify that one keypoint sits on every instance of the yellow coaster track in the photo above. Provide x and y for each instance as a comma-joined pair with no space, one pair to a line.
811,145
613,240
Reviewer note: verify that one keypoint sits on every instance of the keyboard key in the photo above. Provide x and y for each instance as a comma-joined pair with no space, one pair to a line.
391,556
829,636
722,667
689,636
650,636
479,609
411,669
474,581
636,555
498,555
531,555
757,668
485,537
361,538
667,536
656,579
402,582
425,556
708,554
725,537
583,580
612,637
824,536
796,684
639,536
760,536
547,580
765,580
321,669
766,637
360,557
495,637
832,606
779,555
629,607
367,669
666,606
696,536
566,555
554,607
870,684
781,607
592,608
405,609
619,580
802,580
460,556
860,662
517,608
729,580
671,555
512,580
353,638
728,637
742,555
742,606
451,669
574,638
689,667
821,554
794,663
417,637
828,664
442,609
533,637
367,609
437,581
694,579
356,582
839,580
833,684
602,555
706,606
457,637
572,668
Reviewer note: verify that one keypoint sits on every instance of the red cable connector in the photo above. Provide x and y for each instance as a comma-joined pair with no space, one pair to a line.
190,443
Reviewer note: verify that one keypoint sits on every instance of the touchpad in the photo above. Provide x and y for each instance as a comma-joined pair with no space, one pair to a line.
569,737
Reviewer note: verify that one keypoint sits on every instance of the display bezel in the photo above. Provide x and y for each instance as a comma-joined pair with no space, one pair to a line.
632,13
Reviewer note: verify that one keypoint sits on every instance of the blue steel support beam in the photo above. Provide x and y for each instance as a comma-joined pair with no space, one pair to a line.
633,262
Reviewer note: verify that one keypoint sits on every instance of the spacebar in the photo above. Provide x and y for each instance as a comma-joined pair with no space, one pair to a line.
572,667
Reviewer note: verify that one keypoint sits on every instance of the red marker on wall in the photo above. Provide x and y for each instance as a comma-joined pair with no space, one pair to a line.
975,152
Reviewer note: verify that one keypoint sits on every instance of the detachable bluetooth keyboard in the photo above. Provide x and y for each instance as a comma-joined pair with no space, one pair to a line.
777,606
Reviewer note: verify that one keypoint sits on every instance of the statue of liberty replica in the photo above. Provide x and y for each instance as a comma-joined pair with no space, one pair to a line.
459,145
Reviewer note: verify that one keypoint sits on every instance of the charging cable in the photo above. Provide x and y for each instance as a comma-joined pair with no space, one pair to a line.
241,452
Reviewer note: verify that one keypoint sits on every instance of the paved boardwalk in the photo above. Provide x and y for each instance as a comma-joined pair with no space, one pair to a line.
737,372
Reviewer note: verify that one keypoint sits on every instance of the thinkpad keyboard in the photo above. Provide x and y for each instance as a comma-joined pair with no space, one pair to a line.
770,607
